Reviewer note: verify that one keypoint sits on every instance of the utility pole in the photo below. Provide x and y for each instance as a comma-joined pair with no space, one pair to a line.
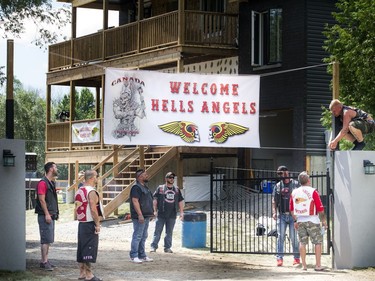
9,107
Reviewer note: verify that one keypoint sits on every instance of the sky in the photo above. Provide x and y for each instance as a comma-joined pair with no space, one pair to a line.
31,62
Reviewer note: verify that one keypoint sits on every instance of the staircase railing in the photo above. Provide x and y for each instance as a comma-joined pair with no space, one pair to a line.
152,170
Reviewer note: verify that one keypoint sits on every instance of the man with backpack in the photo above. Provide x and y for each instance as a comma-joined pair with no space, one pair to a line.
167,201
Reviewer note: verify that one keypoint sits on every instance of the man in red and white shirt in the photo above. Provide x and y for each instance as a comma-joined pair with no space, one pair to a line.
308,212
89,210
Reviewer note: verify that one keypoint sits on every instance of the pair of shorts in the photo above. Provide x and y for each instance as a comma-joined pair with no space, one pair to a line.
88,241
46,230
309,229
365,126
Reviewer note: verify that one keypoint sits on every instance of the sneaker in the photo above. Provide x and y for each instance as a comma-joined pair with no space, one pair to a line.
153,250
52,265
279,262
46,266
147,259
168,250
136,260
296,261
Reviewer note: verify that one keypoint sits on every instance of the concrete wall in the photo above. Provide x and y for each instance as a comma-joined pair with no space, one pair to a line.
354,193
12,208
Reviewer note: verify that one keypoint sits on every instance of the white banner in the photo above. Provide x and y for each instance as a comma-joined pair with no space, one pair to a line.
86,132
154,108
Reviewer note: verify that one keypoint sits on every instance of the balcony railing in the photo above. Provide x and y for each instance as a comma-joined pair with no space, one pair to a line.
59,137
200,29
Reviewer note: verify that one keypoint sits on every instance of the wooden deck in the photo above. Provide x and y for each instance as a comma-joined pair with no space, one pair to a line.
203,33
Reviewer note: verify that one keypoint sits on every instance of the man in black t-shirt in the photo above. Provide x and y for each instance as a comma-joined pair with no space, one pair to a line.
280,212
167,200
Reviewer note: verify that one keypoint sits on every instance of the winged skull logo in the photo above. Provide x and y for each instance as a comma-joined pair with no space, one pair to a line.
220,131
188,131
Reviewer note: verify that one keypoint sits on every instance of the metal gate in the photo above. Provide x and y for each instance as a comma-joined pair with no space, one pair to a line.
241,211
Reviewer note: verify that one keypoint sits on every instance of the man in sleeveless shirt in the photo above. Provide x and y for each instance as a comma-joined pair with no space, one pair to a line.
280,212
89,210
167,201
308,211
350,123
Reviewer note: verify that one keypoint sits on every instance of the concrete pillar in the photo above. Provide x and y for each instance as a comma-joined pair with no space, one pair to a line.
13,208
354,206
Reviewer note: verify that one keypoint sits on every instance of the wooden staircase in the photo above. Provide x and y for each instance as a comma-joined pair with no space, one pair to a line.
114,185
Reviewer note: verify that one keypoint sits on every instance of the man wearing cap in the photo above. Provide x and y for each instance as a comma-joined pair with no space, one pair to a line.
167,200
141,211
280,212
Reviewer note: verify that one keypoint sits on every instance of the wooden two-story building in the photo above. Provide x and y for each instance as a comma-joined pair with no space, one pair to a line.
266,37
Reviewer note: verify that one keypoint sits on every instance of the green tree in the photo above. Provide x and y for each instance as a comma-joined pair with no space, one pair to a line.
15,14
85,104
48,21
351,42
29,120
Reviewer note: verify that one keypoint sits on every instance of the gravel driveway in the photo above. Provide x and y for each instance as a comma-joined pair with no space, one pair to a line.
184,264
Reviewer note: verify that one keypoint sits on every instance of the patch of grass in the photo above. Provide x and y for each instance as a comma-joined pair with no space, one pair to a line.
23,276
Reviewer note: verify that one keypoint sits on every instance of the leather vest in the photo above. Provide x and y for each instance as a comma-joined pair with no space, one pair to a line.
51,199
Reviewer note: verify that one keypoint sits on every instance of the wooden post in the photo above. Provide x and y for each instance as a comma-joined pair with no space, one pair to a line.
9,124
335,93
335,80
180,171
181,22
105,27
76,171
71,110
97,102
142,156
74,34
140,17
115,160
48,115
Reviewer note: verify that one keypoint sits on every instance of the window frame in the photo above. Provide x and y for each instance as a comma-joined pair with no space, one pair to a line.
266,31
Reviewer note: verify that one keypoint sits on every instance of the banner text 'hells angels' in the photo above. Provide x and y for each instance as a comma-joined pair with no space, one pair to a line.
154,108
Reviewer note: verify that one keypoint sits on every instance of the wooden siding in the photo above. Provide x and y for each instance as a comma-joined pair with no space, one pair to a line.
318,92
215,30
58,136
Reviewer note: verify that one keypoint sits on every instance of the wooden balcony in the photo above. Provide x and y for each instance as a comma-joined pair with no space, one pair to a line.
193,33
59,137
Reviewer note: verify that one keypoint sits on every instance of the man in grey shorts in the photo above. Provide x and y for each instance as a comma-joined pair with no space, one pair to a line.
47,209
308,212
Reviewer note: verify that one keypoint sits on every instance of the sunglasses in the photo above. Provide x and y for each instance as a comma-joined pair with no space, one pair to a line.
170,177
280,173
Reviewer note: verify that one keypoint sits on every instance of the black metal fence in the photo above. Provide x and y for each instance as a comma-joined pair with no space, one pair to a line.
241,211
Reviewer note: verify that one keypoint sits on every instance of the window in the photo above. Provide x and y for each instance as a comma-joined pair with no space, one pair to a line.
213,6
266,37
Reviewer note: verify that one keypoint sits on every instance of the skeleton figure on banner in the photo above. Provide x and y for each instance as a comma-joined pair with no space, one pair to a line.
127,107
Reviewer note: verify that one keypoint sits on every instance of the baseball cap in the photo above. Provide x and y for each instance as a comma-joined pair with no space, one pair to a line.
170,174
282,168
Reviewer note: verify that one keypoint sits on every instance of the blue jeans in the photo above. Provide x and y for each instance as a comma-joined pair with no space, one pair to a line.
159,225
139,238
284,220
